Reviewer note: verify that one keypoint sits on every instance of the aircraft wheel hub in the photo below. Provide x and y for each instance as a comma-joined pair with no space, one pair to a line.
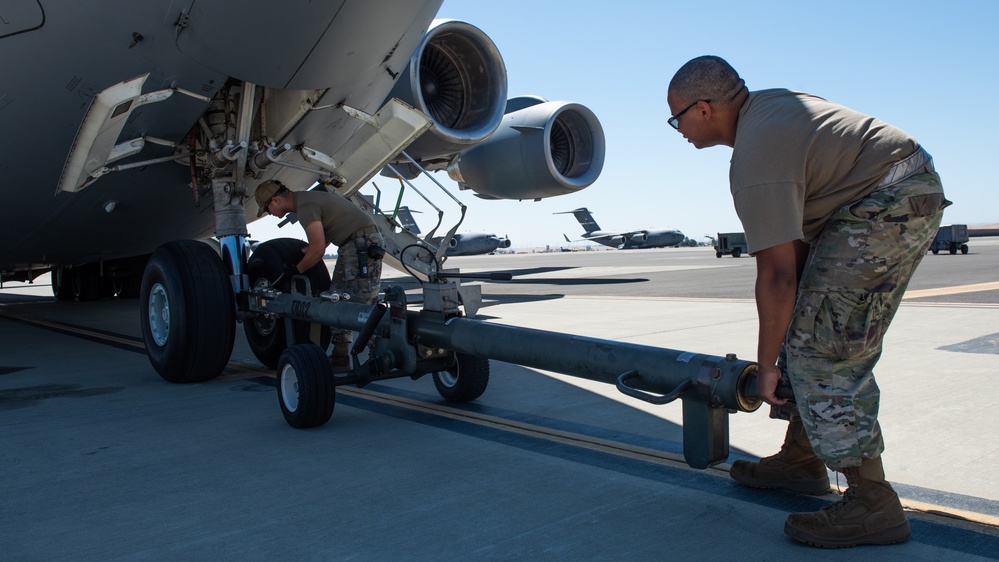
159,314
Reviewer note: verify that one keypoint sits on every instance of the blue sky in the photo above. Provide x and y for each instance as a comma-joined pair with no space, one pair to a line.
929,68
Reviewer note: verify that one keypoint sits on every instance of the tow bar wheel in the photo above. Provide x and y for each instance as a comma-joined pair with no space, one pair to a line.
465,381
305,386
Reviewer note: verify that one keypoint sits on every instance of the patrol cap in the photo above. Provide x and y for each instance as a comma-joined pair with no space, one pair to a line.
264,193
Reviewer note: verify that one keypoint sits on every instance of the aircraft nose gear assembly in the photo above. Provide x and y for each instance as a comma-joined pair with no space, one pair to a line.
456,350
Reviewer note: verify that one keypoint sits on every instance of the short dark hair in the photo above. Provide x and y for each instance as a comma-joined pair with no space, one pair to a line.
709,78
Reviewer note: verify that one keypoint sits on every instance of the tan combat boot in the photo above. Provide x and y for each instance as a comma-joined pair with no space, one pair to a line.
794,469
340,358
869,513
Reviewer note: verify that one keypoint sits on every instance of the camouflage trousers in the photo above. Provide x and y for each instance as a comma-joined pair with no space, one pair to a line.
348,276
854,279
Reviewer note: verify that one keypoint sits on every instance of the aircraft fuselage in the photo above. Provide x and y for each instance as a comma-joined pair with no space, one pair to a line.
639,239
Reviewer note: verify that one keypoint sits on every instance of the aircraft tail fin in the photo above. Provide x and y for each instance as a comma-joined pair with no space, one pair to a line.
406,219
585,219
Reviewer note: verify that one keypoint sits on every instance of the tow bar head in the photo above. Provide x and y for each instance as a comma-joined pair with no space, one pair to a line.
716,388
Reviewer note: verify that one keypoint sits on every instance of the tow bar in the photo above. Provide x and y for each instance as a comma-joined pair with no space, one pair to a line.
438,340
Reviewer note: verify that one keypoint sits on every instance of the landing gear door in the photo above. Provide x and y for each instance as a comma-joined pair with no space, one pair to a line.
382,136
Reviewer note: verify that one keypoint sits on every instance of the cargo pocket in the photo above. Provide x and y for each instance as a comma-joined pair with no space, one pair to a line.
928,205
837,325
862,328
847,254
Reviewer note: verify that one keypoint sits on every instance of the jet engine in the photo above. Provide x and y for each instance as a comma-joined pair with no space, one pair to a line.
457,77
504,243
639,238
542,149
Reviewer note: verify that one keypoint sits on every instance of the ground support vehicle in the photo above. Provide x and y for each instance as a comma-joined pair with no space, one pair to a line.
951,238
733,243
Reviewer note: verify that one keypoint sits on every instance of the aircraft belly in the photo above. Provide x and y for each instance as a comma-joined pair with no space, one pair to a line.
19,17
39,225
148,210
304,45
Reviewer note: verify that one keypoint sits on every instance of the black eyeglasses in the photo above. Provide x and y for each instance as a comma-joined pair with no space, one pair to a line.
674,121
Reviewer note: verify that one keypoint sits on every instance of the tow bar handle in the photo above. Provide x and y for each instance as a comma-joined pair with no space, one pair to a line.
645,396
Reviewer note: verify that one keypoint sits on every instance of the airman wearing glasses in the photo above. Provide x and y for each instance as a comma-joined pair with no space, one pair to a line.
838,208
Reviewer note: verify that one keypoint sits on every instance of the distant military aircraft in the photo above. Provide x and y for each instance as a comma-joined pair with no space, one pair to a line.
626,239
150,125
461,243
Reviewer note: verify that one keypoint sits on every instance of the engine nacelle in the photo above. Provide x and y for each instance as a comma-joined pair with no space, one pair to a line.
639,238
504,243
457,77
541,150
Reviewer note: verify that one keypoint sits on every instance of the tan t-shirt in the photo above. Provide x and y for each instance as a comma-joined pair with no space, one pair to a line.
799,158
340,217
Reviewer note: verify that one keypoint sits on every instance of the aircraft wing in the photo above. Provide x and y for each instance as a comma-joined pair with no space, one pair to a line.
609,235
625,233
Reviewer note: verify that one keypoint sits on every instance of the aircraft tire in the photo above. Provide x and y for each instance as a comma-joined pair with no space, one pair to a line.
306,392
187,311
465,381
87,282
62,285
267,336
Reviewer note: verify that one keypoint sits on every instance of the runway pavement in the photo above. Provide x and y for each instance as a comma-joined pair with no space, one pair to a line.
103,460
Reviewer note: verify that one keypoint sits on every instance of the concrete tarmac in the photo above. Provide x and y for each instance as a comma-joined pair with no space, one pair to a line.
103,460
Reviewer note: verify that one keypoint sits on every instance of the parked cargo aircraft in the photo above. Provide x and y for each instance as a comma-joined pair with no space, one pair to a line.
459,244
150,124
627,239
